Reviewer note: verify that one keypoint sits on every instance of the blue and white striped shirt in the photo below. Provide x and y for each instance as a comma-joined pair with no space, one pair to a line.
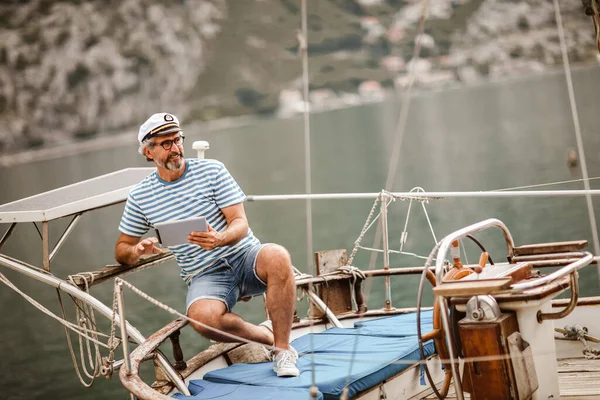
203,190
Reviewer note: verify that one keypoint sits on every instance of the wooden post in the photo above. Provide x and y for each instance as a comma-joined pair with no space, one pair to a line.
180,364
336,295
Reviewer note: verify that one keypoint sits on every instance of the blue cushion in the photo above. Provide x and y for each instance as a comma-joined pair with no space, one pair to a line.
397,325
361,356
203,390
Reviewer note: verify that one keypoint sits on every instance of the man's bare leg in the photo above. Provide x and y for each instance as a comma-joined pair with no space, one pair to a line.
213,313
274,266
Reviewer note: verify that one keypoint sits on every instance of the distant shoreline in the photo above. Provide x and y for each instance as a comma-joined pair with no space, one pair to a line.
111,140
108,141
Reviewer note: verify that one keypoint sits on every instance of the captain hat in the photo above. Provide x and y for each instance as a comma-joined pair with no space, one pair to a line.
158,124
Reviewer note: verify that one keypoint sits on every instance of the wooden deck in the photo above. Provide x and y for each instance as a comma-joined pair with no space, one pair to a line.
578,378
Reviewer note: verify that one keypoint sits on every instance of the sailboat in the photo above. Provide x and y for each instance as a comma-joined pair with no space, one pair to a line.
493,332
490,334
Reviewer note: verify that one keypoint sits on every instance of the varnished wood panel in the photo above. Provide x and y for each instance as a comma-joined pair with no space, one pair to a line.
490,379
544,248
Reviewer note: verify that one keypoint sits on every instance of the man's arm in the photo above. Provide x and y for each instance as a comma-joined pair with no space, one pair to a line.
237,228
129,248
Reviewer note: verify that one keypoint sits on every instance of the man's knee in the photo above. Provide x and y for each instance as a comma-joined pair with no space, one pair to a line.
274,261
276,254
207,313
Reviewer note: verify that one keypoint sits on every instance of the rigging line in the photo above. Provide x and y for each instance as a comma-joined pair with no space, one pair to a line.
584,171
399,135
303,47
404,231
169,309
85,316
545,184
43,309
406,253
401,126
403,119
72,352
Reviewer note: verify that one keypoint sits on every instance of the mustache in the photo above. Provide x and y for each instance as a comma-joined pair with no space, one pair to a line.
174,154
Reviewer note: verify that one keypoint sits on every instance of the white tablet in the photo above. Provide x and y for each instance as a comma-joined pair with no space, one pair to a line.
173,233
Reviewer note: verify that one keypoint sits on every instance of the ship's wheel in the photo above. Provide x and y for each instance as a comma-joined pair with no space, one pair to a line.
438,335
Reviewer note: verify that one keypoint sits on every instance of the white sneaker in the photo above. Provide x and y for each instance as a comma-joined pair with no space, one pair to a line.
284,363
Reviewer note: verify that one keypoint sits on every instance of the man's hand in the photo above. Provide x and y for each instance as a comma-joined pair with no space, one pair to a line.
207,240
147,246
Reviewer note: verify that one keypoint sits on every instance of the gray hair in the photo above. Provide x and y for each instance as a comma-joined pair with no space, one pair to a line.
144,145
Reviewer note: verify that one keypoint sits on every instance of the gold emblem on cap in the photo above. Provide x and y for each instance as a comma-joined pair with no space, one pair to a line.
168,117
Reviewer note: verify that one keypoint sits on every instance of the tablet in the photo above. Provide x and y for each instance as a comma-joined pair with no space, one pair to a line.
173,233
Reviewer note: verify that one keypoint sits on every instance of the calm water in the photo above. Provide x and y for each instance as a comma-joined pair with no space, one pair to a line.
488,137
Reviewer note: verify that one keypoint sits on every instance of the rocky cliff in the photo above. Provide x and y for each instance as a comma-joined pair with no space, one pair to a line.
78,69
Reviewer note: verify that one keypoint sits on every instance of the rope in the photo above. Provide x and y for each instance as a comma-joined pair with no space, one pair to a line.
371,220
576,332
43,309
302,37
406,253
356,275
72,352
399,136
171,310
81,329
299,275
545,184
113,341
423,201
464,251
364,230
84,315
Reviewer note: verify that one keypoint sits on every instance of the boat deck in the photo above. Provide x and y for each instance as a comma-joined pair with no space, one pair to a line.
578,379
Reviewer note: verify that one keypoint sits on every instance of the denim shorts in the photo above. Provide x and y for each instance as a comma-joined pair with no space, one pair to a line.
229,279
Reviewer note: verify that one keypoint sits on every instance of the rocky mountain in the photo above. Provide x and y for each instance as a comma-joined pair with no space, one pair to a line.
77,69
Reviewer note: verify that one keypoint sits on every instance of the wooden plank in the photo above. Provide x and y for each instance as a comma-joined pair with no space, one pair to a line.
472,287
554,247
578,378
428,394
567,365
111,271
579,383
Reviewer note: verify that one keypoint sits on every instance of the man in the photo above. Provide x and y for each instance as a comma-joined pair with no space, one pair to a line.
221,266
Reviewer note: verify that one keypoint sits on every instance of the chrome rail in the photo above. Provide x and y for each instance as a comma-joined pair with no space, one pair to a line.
447,241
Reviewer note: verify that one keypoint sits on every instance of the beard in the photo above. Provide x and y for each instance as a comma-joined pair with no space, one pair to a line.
172,163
